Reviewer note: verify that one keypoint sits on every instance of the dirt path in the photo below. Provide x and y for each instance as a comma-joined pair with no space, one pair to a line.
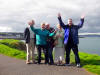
12,66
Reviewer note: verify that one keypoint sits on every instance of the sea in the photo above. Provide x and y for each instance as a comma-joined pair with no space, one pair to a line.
90,44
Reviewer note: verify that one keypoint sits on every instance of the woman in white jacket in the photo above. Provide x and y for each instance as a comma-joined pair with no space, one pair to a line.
59,47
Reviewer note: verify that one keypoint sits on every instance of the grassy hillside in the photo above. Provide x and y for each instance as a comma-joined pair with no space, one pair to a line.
17,44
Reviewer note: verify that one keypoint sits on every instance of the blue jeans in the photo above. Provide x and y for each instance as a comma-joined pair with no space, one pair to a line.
50,56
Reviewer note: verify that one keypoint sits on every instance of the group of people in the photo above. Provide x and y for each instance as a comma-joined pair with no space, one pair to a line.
46,39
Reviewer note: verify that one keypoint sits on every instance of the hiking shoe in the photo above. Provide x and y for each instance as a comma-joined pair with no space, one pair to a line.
28,62
78,65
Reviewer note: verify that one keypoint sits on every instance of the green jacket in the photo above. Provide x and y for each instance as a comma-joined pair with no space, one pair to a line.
59,39
41,35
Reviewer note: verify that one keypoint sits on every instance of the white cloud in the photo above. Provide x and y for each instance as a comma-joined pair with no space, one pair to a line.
5,29
15,13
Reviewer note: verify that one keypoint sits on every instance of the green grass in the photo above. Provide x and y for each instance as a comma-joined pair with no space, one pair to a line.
17,44
90,62
6,50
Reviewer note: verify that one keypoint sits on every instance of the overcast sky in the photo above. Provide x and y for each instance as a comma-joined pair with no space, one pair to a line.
14,14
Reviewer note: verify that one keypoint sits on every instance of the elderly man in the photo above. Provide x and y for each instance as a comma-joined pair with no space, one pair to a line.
41,41
30,42
50,42
71,39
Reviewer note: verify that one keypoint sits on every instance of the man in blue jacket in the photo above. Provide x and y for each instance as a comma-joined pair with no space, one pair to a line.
71,39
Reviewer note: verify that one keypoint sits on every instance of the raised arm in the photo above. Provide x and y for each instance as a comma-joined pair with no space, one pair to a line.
60,21
31,23
36,31
81,22
53,33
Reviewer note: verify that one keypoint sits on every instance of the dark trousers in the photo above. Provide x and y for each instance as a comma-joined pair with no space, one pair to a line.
68,48
50,50
45,49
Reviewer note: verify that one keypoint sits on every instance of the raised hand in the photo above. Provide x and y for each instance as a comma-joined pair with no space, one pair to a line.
82,17
31,23
59,15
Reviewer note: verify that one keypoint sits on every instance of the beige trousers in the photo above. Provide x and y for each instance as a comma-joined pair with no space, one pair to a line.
30,50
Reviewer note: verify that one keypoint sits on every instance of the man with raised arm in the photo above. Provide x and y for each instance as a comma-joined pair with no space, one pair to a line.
71,39
30,43
41,41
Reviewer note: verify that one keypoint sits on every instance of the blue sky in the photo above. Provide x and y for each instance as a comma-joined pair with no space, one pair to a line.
14,14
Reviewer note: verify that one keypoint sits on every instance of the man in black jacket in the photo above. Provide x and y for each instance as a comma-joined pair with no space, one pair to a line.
30,42
50,43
